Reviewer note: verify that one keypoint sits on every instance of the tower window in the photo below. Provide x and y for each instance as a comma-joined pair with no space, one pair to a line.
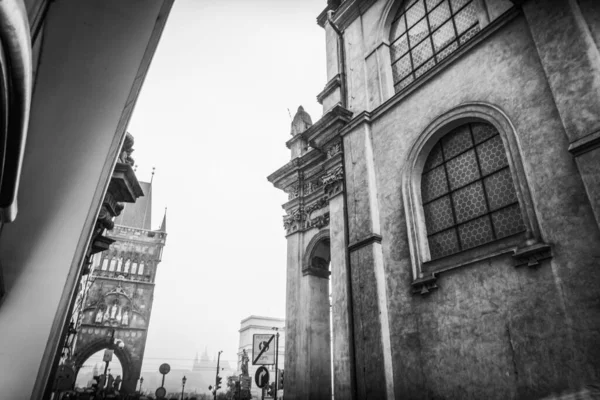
424,32
467,190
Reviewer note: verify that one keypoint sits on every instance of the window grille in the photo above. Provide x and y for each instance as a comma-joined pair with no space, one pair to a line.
424,32
468,194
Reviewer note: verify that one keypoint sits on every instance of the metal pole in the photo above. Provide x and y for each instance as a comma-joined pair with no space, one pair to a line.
276,363
182,390
217,375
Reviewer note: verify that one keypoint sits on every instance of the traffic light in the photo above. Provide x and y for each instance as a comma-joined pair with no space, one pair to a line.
271,390
218,384
280,380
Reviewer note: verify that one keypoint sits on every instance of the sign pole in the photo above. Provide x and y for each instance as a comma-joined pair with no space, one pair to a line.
276,361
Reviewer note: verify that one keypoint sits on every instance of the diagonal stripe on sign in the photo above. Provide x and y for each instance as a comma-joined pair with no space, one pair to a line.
263,350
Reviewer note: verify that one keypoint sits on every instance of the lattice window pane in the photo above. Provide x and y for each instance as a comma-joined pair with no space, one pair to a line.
508,221
491,155
462,170
417,33
482,132
438,16
434,184
434,158
432,3
401,68
438,215
465,18
422,53
443,244
470,33
397,28
475,232
500,189
415,13
404,83
458,4
447,51
399,47
457,141
469,202
425,67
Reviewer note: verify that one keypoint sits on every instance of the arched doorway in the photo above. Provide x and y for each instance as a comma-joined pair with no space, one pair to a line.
316,276
95,366
129,369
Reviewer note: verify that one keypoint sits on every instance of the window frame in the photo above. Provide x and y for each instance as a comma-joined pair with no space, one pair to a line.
421,261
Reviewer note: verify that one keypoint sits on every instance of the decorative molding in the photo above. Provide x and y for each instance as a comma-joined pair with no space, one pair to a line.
346,13
334,149
293,191
587,143
333,84
333,182
425,284
365,241
318,222
293,223
321,273
532,254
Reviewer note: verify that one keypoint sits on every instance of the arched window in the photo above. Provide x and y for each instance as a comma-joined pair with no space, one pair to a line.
126,267
113,264
105,264
424,32
119,264
141,269
467,190
134,267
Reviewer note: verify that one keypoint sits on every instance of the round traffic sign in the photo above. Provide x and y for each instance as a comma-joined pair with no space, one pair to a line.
261,377
164,368
161,392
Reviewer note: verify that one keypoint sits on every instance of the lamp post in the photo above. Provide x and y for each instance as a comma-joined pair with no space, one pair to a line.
183,385
141,381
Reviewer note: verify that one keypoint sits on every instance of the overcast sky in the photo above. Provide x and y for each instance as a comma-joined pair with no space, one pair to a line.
213,119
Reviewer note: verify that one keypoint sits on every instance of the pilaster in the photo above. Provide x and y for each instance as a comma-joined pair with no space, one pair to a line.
571,62
374,369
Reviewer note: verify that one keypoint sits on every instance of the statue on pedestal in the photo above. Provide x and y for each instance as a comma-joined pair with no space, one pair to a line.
245,360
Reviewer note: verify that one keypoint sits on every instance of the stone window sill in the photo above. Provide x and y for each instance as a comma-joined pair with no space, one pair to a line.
525,252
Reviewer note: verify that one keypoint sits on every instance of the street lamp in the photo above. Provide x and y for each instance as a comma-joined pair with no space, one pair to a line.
183,385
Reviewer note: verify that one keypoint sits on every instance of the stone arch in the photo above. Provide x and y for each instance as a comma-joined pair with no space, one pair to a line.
130,368
420,149
317,255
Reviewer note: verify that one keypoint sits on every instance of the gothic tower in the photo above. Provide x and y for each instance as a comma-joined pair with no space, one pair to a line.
120,297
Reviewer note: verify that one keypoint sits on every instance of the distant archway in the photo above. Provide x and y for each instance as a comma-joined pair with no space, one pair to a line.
128,365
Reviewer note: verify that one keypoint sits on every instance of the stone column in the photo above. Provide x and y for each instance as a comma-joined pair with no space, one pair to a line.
294,358
571,61
374,370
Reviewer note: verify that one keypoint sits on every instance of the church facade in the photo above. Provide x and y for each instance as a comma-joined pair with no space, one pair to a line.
450,192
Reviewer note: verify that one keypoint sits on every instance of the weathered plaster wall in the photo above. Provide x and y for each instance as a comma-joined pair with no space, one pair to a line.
490,331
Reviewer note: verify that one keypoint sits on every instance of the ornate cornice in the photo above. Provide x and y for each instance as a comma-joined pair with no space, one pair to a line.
333,182
328,127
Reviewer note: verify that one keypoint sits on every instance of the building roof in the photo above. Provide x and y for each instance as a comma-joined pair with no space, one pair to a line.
138,214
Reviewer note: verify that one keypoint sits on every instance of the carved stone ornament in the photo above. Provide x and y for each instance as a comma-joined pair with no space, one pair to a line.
334,182
322,202
334,149
293,192
319,222
292,223
127,149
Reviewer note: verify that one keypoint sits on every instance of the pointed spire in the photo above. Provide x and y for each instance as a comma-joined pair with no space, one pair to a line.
163,226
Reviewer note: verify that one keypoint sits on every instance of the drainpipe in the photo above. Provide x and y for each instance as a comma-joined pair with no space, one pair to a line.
341,57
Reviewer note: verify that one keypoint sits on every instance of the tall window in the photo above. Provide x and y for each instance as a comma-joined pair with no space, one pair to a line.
467,190
134,267
105,264
424,32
